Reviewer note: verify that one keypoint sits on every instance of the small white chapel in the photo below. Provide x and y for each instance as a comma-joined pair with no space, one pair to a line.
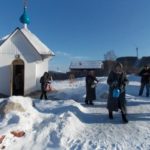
23,60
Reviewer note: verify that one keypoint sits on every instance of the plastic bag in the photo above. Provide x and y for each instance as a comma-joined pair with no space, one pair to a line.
93,85
48,87
116,93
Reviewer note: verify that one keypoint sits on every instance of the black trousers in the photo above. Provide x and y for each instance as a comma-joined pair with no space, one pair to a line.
143,85
43,94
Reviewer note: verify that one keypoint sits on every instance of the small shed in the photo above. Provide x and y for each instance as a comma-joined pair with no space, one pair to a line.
23,60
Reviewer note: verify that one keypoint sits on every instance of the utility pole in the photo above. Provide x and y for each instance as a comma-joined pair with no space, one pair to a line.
25,3
137,52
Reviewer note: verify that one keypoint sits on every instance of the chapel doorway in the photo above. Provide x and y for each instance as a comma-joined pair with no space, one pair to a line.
18,77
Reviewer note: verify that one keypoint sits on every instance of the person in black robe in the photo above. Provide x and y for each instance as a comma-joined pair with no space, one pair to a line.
91,81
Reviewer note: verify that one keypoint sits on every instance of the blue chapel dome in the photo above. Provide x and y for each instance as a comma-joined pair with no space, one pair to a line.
24,17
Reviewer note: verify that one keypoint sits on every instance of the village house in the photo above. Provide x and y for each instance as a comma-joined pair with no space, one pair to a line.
23,60
130,63
80,68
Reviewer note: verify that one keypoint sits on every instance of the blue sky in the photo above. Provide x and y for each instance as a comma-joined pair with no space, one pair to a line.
83,29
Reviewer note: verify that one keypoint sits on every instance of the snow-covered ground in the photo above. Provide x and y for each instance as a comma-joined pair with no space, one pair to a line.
64,123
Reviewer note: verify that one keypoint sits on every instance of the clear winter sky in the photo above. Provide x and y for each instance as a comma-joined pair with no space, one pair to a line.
83,29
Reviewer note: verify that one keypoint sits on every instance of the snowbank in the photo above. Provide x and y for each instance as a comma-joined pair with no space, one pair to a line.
68,124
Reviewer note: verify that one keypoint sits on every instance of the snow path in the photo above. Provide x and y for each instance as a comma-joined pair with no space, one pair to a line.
68,124
95,131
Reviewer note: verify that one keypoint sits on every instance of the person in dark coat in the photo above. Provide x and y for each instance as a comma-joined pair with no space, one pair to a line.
91,81
145,80
44,80
117,79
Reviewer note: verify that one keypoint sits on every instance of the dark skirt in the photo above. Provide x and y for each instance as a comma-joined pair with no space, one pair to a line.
90,93
113,104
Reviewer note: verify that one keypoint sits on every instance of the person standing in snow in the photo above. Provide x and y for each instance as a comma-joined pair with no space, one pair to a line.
117,80
44,80
91,81
145,80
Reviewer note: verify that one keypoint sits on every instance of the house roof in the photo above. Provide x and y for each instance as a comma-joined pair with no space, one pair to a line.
144,61
37,44
89,64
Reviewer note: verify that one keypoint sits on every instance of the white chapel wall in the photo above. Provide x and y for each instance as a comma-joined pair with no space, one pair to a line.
5,73
30,78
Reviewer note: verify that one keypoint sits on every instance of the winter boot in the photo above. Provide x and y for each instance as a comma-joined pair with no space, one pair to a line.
91,103
147,94
110,115
86,102
124,119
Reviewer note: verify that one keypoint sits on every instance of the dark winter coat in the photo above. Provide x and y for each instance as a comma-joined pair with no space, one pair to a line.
90,91
117,80
145,76
43,81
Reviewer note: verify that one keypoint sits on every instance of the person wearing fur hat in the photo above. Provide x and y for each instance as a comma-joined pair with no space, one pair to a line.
117,81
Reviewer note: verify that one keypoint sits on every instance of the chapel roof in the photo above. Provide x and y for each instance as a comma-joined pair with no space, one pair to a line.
36,43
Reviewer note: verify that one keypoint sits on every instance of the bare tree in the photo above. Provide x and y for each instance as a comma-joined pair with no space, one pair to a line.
110,55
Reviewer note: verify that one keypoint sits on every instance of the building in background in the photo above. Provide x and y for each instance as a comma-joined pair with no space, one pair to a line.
130,63
144,61
80,68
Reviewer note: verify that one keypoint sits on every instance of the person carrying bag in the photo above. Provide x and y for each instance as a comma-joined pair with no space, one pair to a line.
117,81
